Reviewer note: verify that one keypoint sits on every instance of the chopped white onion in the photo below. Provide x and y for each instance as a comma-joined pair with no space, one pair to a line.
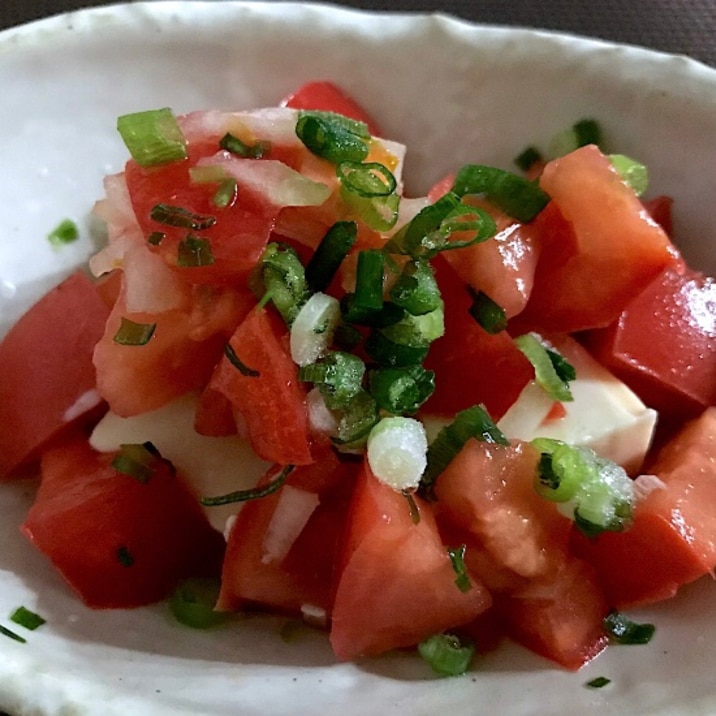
644,485
320,418
397,452
293,510
313,615
312,329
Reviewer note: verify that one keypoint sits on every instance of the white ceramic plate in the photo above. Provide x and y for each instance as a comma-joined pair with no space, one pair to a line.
453,93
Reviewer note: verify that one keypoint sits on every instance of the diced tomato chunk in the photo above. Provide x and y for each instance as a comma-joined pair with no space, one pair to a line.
673,538
326,96
471,365
397,584
47,380
118,542
303,576
599,249
663,345
659,209
267,393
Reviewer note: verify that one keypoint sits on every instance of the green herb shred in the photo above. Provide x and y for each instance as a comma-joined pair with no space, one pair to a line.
26,618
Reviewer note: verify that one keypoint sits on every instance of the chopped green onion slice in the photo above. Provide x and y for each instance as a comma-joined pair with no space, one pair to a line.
387,352
401,390
526,159
457,558
193,602
396,451
231,356
513,194
369,280
181,217
236,146
446,654
490,316
346,337
584,132
358,419
64,233
623,630
416,289
338,376
26,618
473,422
137,461
379,213
549,376
633,173
124,556
366,180
599,491
156,238
326,259
194,252
152,137
598,682
333,137
284,278
255,493
417,331
8,632
412,506
388,314
429,231
134,334
226,193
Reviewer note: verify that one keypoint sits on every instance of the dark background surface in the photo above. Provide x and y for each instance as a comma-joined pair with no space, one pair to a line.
679,26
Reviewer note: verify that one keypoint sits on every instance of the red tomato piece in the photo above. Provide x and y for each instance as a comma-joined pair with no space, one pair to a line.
673,538
560,618
214,414
326,96
303,576
471,365
599,247
269,396
135,379
396,586
117,541
663,345
659,209
237,237
47,380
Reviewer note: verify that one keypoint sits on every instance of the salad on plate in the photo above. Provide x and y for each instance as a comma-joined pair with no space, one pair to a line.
415,422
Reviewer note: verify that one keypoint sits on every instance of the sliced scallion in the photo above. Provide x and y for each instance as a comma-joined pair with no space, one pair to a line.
329,254
284,279
416,289
136,460
152,137
333,137
598,682
131,333
359,417
338,376
513,194
233,144
9,633
581,133
474,422
312,328
156,238
387,352
192,603
181,217
26,618
379,213
194,252
366,179
231,356
457,559
490,316
396,452
623,630
446,654
551,369
527,158
369,280
64,233
633,173
255,493
401,391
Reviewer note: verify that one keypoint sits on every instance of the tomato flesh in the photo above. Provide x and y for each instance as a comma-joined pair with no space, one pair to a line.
117,541
47,381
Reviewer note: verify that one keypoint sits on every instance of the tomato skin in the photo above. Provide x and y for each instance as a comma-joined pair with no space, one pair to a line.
46,369
662,345
326,96
471,366
272,403
673,538
396,584
85,512
304,576
599,247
